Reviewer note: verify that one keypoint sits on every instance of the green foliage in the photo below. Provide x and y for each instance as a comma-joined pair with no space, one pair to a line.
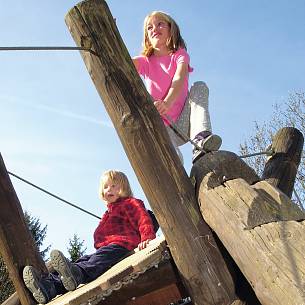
39,233
288,114
6,286
76,248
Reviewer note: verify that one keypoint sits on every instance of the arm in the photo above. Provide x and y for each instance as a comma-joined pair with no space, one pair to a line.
141,221
136,62
175,89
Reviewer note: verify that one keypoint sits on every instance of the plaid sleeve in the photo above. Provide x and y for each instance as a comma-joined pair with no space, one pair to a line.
140,219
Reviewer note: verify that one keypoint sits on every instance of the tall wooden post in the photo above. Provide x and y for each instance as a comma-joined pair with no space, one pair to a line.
17,246
281,169
153,158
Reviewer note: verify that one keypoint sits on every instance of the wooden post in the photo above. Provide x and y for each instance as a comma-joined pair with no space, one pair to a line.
153,158
17,246
258,225
281,169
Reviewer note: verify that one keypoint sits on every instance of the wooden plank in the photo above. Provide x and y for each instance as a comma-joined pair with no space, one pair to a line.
150,281
151,154
165,295
17,246
93,291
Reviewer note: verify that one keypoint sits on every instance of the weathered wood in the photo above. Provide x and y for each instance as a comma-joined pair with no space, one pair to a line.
17,246
153,158
281,168
217,167
152,280
253,223
12,300
165,295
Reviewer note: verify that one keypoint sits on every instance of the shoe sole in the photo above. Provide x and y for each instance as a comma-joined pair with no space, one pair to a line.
212,143
60,264
31,281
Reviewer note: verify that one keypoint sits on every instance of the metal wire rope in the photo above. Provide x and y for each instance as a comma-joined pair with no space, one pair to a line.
53,195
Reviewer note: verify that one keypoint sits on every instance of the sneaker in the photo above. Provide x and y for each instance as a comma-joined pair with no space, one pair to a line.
210,142
70,275
41,287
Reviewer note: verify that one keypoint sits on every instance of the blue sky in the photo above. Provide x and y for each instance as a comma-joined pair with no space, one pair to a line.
54,129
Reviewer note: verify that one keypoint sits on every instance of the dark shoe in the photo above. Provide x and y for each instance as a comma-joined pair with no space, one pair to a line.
42,288
212,142
207,142
70,275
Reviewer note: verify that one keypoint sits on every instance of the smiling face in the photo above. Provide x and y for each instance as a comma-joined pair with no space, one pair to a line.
158,32
161,35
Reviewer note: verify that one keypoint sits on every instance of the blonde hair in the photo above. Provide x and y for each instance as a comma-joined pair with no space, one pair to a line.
174,42
117,178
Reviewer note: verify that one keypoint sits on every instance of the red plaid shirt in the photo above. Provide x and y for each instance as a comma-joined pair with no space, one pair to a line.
126,223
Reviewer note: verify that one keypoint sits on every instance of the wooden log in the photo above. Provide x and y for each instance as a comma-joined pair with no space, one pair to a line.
151,154
17,246
281,168
258,233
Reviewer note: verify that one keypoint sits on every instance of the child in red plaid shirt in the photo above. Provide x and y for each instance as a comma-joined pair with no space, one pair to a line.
125,225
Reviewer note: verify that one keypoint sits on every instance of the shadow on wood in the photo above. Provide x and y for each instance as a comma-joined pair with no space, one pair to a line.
258,225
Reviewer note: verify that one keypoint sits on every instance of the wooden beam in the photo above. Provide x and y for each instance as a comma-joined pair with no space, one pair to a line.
153,158
262,232
17,246
281,168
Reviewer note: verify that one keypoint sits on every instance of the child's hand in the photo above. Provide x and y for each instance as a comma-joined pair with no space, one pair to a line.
143,244
161,106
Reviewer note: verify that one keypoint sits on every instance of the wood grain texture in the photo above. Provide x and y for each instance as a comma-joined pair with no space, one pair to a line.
281,169
271,255
153,158
17,246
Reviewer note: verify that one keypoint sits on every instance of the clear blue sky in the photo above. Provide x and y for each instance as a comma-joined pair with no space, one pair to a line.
55,131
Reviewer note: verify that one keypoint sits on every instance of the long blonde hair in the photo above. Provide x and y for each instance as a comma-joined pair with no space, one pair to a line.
175,41
118,178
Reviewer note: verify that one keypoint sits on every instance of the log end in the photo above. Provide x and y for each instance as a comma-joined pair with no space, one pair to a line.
215,168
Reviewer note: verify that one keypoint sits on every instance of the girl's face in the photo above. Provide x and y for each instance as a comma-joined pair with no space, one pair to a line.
158,31
111,191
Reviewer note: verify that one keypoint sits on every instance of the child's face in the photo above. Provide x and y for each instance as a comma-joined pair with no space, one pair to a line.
158,31
111,191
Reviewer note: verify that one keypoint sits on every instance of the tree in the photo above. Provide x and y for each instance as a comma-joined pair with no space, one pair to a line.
76,248
39,234
289,114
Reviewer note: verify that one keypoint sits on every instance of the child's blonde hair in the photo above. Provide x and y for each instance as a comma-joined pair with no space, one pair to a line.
174,42
116,177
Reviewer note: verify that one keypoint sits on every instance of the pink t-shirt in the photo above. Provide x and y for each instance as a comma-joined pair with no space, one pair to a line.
158,72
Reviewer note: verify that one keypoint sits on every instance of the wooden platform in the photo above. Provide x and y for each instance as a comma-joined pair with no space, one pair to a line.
119,275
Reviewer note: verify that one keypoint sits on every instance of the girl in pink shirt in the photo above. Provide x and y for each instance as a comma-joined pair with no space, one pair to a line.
165,66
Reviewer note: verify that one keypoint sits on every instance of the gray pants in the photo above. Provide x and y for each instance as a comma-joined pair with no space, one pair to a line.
195,116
